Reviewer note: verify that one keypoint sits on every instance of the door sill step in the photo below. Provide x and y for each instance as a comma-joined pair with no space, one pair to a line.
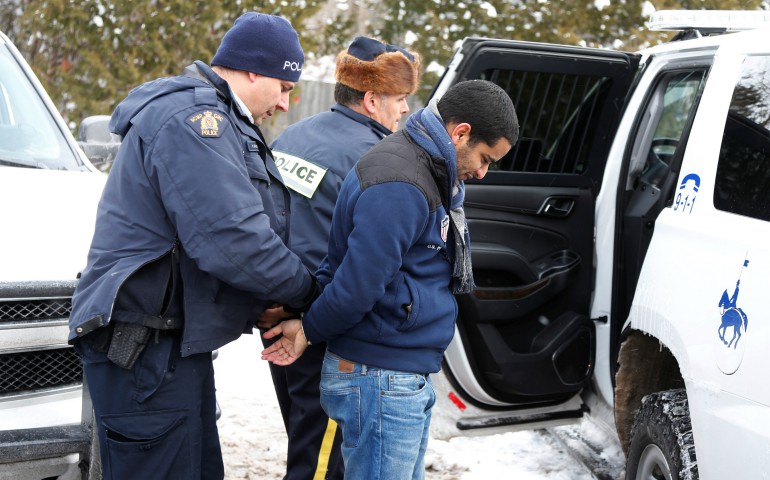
512,420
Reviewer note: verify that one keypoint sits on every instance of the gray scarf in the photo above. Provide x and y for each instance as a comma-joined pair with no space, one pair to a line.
427,129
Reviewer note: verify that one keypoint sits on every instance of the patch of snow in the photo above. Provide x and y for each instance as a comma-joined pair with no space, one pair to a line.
254,441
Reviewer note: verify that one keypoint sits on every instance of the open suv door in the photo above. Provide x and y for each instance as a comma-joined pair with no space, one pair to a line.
611,246
525,340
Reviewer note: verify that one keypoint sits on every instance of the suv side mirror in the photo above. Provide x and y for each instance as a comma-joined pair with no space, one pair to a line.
99,144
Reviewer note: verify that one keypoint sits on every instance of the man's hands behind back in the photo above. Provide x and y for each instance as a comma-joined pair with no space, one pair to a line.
287,349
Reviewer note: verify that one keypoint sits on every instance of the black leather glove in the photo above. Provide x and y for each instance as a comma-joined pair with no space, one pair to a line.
313,293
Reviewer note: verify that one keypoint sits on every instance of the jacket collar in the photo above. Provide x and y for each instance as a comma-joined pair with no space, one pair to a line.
379,129
205,73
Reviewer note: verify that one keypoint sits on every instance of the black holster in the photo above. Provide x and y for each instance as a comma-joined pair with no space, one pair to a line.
127,343
131,326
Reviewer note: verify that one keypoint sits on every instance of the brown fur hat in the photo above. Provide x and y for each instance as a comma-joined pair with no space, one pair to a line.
369,64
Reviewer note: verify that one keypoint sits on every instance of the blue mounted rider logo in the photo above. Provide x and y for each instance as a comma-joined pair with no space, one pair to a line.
729,346
732,317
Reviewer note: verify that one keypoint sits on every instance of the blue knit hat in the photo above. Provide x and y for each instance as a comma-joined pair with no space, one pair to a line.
263,44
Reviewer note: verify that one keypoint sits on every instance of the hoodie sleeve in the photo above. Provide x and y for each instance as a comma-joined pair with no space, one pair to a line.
219,215
380,238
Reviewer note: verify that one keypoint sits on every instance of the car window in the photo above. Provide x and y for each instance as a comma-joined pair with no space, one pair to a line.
29,136
557,114
743,172
662,125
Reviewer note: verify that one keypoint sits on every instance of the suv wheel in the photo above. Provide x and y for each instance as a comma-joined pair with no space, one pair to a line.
662,446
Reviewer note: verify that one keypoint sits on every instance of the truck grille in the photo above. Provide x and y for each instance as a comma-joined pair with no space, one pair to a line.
28,371
34,310
28,304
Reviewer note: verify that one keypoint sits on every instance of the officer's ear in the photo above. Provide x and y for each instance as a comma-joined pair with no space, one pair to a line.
371,102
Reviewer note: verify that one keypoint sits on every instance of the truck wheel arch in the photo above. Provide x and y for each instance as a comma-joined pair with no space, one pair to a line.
645,366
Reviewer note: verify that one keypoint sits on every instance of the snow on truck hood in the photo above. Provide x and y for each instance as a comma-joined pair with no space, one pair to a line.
47,219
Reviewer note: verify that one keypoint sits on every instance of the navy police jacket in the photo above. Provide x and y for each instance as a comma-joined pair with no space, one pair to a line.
314,155
193,204
387,301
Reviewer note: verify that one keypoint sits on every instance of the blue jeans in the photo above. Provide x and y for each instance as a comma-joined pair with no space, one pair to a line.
384,416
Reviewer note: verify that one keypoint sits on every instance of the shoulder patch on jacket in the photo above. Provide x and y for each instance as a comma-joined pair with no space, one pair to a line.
299,174
208,123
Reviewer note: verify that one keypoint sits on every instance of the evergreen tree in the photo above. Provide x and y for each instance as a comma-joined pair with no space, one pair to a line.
439,25
90,53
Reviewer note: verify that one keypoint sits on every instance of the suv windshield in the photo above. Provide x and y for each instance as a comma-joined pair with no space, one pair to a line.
29,136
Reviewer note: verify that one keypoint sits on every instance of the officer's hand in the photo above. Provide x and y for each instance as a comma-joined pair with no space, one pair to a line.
310,296
289,347
272,316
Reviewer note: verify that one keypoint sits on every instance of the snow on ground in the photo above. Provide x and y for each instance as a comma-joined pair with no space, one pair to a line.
254,442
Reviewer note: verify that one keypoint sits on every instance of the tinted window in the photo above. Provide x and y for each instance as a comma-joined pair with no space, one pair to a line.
663,124
558,115
743,175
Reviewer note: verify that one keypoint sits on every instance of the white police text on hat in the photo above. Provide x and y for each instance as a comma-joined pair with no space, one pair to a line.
278,47
293,66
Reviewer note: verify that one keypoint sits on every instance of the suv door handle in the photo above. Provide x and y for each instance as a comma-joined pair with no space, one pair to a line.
557,206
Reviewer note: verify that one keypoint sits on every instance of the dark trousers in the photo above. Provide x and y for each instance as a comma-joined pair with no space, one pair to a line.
158,419
314,440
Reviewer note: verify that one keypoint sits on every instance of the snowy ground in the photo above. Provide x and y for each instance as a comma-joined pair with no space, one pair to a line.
254,442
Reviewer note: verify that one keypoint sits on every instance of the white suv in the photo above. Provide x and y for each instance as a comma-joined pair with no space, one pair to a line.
49,193
622,246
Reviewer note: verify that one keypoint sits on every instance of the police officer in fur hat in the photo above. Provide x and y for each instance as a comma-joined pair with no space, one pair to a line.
189,244
314,155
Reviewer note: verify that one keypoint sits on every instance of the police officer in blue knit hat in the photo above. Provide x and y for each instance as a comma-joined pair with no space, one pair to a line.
189,246
314,155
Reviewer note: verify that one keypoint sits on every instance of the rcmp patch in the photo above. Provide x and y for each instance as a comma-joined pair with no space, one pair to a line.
208,123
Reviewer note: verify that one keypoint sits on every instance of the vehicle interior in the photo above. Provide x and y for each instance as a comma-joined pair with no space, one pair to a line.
525,329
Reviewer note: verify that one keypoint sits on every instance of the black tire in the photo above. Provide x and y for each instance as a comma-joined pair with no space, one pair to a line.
662,446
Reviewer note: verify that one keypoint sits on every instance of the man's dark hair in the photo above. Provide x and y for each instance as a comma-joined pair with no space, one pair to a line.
485,106
347,96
